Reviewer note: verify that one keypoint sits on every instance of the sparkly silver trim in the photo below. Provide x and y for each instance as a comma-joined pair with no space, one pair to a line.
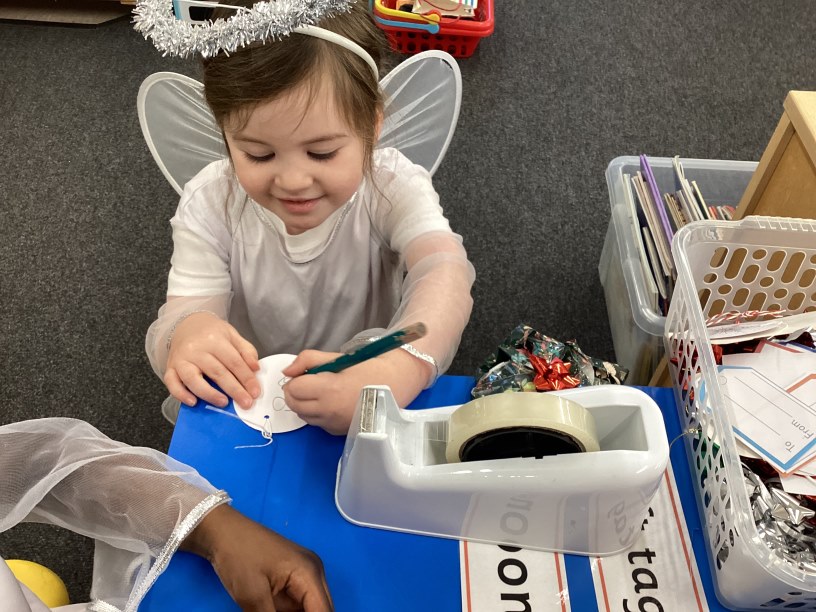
155,20
102,606
184,529
410,348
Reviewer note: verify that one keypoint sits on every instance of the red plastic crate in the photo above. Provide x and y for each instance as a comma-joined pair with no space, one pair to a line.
459,37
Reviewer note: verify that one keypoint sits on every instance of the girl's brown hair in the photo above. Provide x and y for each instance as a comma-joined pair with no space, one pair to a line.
235,84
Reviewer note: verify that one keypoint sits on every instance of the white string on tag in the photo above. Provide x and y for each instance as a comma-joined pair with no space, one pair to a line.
691,431
266,430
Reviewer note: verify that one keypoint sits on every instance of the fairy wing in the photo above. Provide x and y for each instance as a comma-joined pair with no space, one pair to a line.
422,99
178,126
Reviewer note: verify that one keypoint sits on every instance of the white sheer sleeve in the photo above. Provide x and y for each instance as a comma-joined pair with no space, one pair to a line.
436,288
199,278
436,292
173,312
137,503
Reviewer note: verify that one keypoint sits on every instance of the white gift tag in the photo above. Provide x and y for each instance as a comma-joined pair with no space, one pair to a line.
771,421
269,412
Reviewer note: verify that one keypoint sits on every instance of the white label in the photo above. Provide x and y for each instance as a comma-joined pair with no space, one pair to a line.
508,578
659,573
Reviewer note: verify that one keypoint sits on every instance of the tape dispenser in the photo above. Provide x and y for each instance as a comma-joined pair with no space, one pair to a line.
567,471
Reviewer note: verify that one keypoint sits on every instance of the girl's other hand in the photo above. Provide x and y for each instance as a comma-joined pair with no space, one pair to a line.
204,345
328,400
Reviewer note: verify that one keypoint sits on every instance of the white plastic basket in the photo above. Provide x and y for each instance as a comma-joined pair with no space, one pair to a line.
762,263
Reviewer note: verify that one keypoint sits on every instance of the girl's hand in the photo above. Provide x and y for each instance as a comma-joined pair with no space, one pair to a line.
204,345
328,400
261,570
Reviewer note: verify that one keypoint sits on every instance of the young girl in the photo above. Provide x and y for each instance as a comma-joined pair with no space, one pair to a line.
307,237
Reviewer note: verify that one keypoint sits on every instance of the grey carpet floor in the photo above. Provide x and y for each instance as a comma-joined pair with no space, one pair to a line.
556,93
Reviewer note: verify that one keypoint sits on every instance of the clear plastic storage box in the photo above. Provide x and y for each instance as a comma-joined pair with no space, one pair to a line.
759,263
636,324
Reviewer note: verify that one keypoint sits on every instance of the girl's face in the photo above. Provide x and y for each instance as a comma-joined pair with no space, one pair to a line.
299,160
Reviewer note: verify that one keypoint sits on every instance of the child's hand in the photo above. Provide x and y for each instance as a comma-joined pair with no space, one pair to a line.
260,569
204,345
328,400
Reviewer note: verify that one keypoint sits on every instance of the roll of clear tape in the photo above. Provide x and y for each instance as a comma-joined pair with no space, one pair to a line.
508,425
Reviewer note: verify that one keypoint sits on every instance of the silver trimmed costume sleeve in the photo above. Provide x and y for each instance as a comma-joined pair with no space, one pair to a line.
137,503
436,292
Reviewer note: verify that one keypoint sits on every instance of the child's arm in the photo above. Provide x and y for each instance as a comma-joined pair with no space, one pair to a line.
328,400
258,567
436,292
205,345
171,314
407,215
191,339
139,503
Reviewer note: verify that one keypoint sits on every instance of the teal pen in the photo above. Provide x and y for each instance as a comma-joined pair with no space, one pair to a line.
372,349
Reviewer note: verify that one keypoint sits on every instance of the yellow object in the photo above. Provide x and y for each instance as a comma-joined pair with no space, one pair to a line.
44,583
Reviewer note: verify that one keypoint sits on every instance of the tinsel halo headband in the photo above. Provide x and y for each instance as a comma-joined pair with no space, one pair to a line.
270,20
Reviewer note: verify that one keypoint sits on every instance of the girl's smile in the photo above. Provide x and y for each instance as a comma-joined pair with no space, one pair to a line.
300,207
296,157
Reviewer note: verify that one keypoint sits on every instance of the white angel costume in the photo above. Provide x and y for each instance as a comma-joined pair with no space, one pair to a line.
385,259
137,503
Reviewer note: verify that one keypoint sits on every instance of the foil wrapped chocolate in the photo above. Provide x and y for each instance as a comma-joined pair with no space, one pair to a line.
527,360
